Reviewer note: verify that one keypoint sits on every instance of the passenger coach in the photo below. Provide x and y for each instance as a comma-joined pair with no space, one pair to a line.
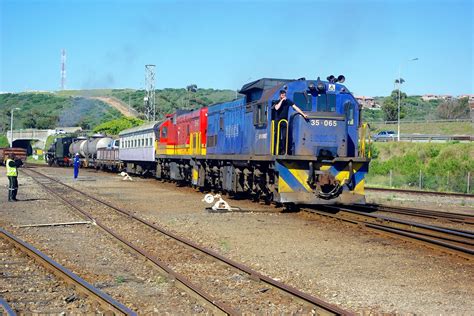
137,149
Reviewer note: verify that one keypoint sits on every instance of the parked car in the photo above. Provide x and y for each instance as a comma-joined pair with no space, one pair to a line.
384,136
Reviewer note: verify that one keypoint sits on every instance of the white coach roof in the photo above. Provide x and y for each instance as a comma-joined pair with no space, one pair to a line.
142,128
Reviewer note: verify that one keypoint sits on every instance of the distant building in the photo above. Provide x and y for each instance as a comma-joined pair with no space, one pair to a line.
367,102
429,97
68,130
470,97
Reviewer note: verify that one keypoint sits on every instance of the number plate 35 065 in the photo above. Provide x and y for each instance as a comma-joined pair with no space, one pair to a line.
330,123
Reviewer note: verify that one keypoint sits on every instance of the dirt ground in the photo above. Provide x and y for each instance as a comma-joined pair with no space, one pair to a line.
355,269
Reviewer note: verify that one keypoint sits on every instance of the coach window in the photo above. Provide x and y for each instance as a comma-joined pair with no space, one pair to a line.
151,141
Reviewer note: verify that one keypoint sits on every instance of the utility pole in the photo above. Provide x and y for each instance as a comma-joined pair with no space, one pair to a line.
149,100
400,81
63,69
11,125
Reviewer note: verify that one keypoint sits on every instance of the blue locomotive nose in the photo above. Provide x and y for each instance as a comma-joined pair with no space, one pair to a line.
321,136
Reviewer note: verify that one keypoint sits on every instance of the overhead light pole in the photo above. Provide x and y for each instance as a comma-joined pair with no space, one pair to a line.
11,126
400,81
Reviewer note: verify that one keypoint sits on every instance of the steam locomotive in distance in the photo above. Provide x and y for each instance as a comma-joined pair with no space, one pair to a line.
240,147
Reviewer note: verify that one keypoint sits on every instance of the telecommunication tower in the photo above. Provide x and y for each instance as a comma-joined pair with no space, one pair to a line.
63,69
149,99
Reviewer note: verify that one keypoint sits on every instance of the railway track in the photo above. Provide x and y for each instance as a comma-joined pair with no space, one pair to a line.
461,218
31,282
230,287
453,241
420,192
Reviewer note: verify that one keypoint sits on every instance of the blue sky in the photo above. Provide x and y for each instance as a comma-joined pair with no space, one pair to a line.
224,44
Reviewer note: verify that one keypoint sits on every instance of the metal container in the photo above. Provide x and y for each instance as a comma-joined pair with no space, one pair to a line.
105,142
90,149
83,149
75,147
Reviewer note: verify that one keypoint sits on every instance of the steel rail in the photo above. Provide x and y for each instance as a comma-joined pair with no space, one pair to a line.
435,237
421,192
8,310
106,301
182,280
450,216
454,232
253,274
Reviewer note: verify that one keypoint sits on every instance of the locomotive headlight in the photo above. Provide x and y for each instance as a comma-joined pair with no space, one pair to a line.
311,86
321,87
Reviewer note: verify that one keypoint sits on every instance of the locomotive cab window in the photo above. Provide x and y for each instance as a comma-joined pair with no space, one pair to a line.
349,109
221,122
260,114
164,132
302,100
326,103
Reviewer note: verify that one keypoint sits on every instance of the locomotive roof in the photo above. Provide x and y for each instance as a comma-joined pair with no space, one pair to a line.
264,83
143,127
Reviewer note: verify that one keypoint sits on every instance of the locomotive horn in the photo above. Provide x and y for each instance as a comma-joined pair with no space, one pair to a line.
331,78
341,79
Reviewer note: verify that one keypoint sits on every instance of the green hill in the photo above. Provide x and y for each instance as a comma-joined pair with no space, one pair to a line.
76,108
48,110
166,100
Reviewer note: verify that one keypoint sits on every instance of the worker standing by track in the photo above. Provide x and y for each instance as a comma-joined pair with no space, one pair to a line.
12,174
77,163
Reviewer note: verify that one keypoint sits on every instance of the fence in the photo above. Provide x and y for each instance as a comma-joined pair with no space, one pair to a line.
447,182
419,121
